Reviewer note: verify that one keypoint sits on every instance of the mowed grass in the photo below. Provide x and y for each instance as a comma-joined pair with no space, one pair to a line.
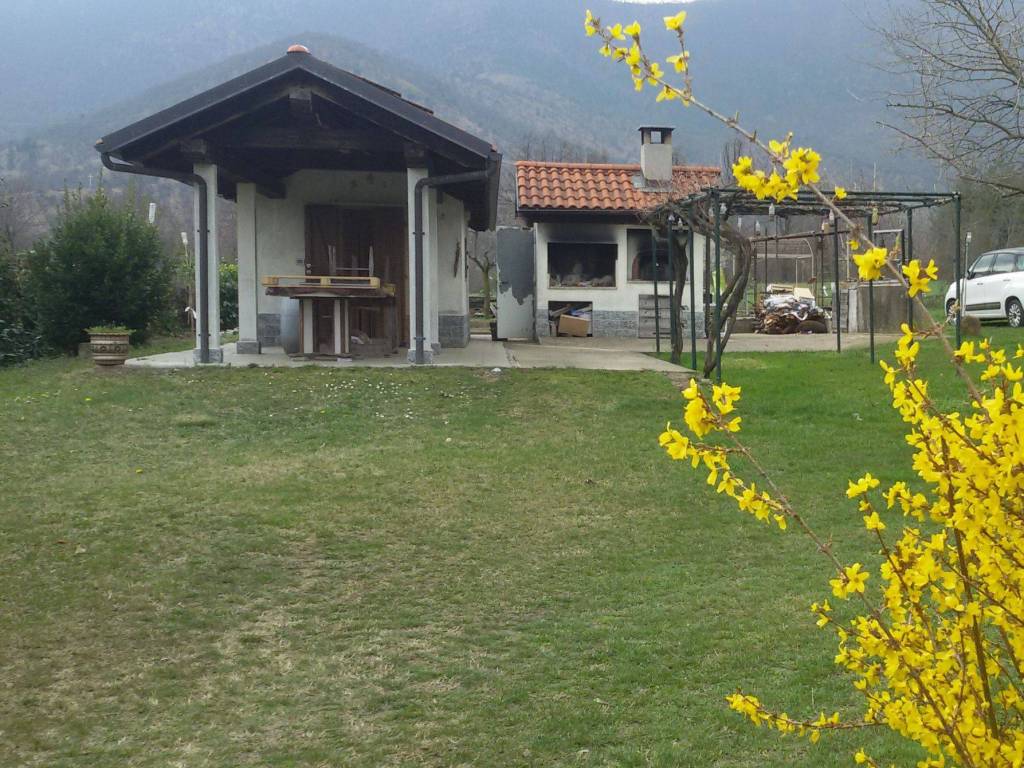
313,567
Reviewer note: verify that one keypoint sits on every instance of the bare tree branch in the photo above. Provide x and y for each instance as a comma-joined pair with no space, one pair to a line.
962,63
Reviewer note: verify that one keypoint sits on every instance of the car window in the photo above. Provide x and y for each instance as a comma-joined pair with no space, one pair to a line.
983,265
1004,262
1020,261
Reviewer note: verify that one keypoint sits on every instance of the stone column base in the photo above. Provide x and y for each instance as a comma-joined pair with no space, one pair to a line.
428,355
248,347
216,356
453,330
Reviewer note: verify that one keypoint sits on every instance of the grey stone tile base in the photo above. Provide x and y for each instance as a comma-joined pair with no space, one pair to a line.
216,356
603,323
624,324
248,347
428,356
453,330
268,329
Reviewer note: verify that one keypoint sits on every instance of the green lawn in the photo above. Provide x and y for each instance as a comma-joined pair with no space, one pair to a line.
314,567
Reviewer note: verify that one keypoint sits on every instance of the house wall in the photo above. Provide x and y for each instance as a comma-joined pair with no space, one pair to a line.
272,241
450,274
616,310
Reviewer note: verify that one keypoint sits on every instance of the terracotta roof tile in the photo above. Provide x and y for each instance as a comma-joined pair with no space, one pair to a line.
599,187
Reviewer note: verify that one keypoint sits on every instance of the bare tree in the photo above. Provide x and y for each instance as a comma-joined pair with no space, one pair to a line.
700,217
481,253
963,65
21,216
735,288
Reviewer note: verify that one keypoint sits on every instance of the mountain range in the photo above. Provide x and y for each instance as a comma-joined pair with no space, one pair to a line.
521,74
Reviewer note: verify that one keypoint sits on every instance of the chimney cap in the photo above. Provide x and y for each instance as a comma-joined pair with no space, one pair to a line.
662,128
297,48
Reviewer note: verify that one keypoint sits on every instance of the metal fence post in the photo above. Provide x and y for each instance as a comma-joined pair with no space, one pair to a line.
657,311
871,292
693,295
837,300
909,249
958,268
673,307
718,286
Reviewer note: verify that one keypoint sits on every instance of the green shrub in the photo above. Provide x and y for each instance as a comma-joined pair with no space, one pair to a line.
228,296
107,329
19,340
101,264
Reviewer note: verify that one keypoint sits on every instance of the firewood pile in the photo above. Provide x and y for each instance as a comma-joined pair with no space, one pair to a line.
786,313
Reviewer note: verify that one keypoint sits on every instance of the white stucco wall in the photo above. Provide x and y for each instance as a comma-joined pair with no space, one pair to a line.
272,241
625,296
452,294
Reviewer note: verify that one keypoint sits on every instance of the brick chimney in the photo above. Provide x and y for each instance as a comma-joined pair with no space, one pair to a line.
656,153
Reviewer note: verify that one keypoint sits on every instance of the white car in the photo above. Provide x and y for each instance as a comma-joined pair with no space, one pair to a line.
993,288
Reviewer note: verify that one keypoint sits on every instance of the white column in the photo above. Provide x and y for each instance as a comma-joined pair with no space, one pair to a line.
306,307
338,337
249,286
429,264
209,174
463,267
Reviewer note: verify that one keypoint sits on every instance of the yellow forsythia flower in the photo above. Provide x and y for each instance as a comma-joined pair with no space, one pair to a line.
780,148
840,193
681,61
873,522
870,263
862,486
674,23
853,579
919,278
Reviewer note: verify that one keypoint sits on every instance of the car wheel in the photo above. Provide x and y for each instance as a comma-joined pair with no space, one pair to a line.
950,314
1014,313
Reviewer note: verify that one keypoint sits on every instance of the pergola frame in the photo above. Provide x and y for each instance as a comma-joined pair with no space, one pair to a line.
870,206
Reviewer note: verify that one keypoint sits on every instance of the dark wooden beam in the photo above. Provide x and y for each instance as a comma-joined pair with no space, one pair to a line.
309,137
416,156
240,169
219,117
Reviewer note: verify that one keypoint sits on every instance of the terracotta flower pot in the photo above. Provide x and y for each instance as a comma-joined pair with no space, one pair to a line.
109,348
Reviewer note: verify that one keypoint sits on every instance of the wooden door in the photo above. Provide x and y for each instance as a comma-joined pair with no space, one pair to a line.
323,326
391,257
362,241
323,239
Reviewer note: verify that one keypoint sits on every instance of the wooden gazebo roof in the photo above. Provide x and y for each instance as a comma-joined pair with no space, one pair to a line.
301,112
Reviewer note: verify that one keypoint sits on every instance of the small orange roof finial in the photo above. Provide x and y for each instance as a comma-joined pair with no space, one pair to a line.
297,48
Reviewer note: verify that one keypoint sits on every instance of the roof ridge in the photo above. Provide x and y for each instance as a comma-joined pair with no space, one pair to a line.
607,166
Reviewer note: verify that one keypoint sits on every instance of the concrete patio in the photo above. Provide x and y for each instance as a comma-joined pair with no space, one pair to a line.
609,354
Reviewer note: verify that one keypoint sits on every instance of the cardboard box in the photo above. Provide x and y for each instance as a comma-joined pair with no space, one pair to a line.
573,326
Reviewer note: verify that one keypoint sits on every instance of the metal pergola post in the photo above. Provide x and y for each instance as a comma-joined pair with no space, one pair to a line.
871,292
693,295
837,300
778,271
958,267
707,297
765,267
657,312
673,307
718,288
909,251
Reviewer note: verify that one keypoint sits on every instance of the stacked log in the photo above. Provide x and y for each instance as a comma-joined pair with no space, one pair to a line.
785,313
